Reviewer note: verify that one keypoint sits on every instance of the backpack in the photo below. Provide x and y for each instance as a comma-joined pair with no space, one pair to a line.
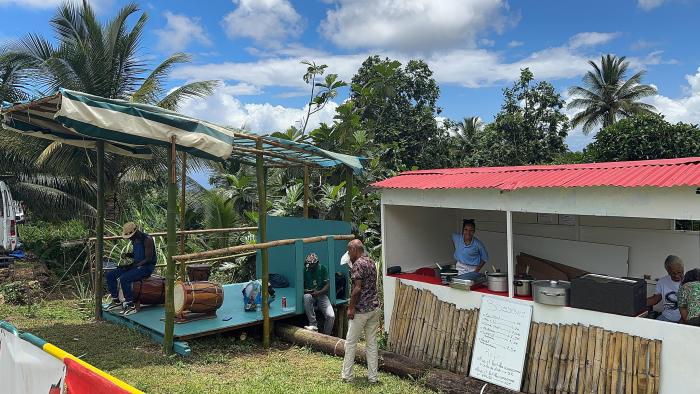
279,281
252,295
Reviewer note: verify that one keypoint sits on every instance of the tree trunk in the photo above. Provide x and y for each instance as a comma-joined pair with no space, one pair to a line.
435,379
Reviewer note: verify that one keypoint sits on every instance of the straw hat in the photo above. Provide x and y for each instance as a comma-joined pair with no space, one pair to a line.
129,230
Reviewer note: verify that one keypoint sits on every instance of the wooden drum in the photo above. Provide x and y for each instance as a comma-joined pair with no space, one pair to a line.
198,297
198,272
148,291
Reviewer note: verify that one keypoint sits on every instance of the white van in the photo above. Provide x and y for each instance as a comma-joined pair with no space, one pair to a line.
8,221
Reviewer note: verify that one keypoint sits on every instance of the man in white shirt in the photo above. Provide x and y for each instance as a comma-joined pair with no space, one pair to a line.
667,290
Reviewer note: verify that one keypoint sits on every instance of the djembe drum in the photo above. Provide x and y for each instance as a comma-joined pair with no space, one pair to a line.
147,291
196,300
198,272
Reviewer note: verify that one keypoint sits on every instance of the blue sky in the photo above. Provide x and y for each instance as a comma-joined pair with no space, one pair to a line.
474,47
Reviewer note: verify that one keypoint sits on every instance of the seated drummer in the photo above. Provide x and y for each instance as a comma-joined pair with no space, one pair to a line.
667,290
144,255
470,253
316,287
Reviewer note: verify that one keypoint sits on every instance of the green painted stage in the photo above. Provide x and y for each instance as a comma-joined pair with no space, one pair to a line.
286,260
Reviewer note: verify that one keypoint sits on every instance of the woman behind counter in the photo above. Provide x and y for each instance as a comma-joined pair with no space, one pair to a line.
470,253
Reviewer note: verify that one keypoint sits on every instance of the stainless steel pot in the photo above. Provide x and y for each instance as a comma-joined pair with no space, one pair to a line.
551,292
497,281
523,287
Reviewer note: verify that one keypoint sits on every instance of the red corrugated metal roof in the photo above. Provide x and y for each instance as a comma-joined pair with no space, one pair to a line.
644,173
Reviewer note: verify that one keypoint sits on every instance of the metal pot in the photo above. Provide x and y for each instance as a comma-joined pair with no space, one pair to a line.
523,286
551,292
447,274
497,281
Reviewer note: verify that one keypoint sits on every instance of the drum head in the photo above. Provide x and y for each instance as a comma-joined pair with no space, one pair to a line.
179,297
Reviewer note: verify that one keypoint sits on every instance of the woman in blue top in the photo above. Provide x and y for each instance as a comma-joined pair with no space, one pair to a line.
470,253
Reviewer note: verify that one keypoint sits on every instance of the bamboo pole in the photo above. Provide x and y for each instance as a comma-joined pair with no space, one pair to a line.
170,269
598,359
630,365
635,365
532,339
642,367
213,260
656,366
405,292
438,334
347,212
188,232
603,376
426,335
415,320
615,375
306,191
99,227
623,363
420,322
571,364
406,317
589,360
459,335
262,230
430,348
579,378
392,322
544,357
262,245
554,378
183,177
534,358
470,338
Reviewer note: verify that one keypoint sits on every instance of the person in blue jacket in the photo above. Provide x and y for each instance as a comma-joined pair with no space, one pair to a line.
144,256
470,253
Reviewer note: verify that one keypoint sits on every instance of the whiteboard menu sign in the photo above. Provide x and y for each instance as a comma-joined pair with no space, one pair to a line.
501,342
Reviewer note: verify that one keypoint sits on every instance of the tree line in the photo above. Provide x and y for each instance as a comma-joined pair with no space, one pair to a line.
391,117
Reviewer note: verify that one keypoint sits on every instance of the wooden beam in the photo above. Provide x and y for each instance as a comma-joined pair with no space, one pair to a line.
99,227
262,231
183,177
255,152
172,240
258,246
190,232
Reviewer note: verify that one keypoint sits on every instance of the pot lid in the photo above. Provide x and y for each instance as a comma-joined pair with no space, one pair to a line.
552,284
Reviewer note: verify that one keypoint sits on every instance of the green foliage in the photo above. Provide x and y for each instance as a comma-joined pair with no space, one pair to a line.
529,129
645,137
21,292
46,241
607,96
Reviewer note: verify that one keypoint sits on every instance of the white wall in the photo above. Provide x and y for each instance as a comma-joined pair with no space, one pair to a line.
420,236
680,352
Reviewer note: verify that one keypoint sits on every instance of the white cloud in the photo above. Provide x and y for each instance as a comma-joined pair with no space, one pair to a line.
179,32
589,39
683,109
262,118
268,22
647,5
515,44
97,5
422,25
466,67
486,42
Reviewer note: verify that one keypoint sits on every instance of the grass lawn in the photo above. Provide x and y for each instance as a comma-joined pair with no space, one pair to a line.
219,364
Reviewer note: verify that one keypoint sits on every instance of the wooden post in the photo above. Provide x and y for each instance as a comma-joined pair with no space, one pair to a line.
172,241
182,212
509,241
262,228
306,192
347,213
99,227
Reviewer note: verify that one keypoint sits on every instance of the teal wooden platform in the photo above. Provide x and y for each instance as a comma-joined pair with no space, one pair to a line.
286,260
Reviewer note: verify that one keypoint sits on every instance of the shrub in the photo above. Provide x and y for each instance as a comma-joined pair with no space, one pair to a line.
21,292
48,242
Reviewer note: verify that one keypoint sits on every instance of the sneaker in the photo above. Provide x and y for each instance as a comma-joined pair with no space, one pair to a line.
115,304
311,328
129,309
348,379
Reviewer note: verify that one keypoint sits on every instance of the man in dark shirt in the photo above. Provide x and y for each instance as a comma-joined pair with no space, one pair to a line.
316,294
363,311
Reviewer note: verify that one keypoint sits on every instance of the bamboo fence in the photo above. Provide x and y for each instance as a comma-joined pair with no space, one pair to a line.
561,358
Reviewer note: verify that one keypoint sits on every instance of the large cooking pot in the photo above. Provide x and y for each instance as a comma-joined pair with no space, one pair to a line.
497,281
523,286
551,292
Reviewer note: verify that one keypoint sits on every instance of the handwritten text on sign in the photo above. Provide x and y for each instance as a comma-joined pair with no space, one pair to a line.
501,342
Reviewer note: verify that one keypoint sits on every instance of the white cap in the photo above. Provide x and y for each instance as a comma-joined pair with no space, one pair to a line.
345,259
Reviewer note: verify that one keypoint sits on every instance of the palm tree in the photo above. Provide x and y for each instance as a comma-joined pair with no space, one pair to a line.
14,83
468,128
608,95
104,60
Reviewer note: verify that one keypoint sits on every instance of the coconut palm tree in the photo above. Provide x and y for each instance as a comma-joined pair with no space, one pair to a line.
104,60
608,95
